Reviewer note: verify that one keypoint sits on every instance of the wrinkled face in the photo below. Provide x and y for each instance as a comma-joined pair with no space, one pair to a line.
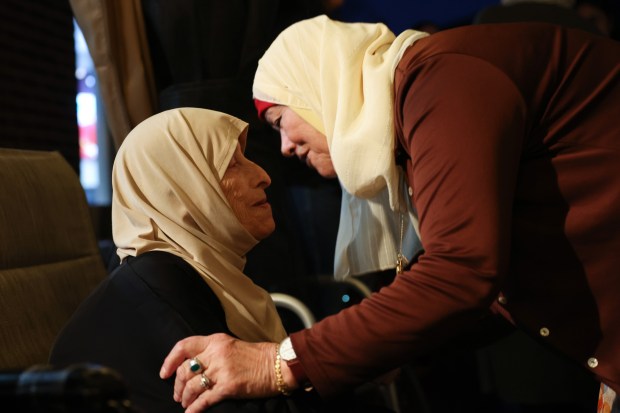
301,139
244,185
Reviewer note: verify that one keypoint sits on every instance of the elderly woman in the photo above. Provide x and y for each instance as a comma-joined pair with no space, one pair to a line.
187,207
510,141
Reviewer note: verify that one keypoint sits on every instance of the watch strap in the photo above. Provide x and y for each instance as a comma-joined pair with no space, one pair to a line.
298,372
293,363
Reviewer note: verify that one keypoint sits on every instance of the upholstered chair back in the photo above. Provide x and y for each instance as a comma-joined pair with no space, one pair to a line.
49,257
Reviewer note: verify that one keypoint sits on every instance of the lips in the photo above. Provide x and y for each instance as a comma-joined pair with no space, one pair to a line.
261,202
305,159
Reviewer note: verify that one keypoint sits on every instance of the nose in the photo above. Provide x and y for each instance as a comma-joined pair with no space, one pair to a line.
263,177
287,147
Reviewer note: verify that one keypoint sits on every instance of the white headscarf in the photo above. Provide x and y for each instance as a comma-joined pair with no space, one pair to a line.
167,197
339,78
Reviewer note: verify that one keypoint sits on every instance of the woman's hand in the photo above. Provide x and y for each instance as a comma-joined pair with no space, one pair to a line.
234,368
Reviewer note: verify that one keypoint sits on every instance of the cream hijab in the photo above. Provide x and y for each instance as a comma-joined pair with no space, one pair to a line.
339,78
167,197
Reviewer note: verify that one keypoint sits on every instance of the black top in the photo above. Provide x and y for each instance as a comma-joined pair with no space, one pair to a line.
134,318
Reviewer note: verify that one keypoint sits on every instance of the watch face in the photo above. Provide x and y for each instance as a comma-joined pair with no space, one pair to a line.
286,350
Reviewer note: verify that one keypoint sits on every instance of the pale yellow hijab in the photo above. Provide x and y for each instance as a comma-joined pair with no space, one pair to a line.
167,197
339,78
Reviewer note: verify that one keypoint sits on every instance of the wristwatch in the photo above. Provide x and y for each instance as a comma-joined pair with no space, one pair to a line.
287,353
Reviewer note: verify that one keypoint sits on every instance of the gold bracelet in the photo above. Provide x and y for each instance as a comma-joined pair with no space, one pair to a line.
279,379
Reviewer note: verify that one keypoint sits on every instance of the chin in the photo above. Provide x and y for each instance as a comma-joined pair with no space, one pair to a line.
263,234
323,165
327,173
266,230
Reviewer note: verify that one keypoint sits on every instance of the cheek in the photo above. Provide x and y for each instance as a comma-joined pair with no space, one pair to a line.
323,165
258,221
234,195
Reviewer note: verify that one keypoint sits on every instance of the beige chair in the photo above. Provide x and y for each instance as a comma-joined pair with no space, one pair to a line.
49,258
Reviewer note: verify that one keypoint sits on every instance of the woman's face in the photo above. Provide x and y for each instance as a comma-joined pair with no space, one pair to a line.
244,185
301,139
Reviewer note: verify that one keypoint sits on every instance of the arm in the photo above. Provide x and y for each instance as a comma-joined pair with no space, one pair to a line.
462,125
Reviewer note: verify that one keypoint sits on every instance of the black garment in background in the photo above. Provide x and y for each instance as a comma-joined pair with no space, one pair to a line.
205,54
134,318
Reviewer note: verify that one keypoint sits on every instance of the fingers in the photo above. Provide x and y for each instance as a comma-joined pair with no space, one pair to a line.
183,376
184,349
240,370
235,369
194,387
205,400
197,398
180,358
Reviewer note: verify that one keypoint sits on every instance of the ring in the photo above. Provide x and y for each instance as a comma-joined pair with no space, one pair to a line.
194,365
204,381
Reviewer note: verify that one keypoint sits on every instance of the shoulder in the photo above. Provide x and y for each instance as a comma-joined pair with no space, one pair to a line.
155,298
158,261
161,272
171,279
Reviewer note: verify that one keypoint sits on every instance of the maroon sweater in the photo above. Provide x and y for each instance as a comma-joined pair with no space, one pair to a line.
513,138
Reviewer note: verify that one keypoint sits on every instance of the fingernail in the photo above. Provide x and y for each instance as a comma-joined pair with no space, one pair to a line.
162,372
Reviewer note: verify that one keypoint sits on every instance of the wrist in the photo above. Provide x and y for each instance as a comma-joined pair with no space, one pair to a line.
288,377
293,373
278,365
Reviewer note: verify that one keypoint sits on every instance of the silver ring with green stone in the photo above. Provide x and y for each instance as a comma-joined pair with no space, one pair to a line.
195,366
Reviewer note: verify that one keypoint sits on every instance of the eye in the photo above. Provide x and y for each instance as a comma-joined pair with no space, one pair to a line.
276,123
